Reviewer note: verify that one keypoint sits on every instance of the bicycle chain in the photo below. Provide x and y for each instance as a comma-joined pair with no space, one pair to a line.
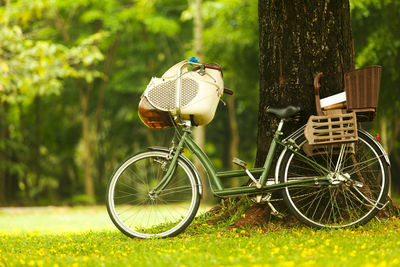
280,199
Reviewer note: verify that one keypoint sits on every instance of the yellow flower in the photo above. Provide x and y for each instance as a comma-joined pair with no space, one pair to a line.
310,263
395,262
275,251
288,264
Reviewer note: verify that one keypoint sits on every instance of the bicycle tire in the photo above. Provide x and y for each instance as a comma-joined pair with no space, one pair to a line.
348,203
138,213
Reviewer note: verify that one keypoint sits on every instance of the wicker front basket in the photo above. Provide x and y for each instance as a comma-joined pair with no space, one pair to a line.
362,91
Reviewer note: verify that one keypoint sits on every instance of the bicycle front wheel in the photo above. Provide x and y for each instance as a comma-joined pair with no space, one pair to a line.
357,187
134,207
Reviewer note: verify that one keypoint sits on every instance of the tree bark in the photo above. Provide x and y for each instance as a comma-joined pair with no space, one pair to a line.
233,137
87,147
199,133
297,39
3,156
36,148
101,154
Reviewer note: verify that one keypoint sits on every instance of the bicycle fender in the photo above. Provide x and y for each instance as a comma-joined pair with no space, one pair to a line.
186,160
378,144
300,131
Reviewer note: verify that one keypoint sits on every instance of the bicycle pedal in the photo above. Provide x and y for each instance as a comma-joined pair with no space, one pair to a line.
239,162
274,211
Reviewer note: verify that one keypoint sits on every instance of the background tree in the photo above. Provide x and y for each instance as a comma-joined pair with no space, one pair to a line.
298,40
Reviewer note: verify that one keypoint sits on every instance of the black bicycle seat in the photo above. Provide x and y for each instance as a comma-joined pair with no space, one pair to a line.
284,112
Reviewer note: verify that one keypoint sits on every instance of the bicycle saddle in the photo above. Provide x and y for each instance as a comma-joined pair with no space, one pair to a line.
287,112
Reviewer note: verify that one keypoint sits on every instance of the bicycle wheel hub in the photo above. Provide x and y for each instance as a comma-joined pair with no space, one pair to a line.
337,178
153,195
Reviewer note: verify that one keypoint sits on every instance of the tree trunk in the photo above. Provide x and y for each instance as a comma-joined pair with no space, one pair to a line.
199,133
298,39
87,147
3,156
233,137
388,138
36,148
101,154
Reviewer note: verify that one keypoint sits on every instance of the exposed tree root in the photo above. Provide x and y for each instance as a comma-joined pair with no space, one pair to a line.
246,214
220,212
392,209
228,207
225,215
256,215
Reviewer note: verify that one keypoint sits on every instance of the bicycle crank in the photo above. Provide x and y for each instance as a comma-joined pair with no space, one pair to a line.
265,198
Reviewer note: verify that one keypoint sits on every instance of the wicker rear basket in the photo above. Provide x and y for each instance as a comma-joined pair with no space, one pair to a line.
335,127
362,91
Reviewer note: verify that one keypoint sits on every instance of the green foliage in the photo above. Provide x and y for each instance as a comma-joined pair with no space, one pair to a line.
377,42
57,52
29,67
231,40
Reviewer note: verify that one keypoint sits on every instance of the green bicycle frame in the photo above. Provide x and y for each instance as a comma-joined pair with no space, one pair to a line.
215,177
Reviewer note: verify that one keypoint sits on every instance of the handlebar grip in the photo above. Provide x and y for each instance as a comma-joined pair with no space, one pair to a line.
228,92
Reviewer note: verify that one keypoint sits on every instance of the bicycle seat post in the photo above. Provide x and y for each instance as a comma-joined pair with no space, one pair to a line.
271,153
280,126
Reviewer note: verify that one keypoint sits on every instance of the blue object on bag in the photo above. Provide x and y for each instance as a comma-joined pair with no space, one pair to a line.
193,60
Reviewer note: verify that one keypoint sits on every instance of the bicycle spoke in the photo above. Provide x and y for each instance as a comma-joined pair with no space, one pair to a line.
140,211
351,196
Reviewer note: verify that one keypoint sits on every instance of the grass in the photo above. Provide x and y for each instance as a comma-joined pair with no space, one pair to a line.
85,237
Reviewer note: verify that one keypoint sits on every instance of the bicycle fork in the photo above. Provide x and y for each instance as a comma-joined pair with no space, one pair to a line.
171,168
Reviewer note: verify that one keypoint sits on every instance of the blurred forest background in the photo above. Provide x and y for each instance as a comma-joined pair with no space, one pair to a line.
72,72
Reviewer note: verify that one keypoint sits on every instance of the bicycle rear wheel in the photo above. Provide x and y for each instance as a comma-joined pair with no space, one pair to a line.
137,211
358,186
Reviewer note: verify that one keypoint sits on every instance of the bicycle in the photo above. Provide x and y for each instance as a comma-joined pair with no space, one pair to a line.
156,192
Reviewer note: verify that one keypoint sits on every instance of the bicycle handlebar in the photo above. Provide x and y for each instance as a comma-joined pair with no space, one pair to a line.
227,91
